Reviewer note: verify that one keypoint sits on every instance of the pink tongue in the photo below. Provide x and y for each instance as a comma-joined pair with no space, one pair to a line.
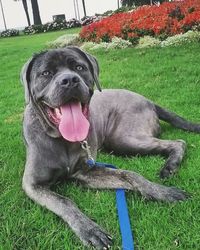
73,125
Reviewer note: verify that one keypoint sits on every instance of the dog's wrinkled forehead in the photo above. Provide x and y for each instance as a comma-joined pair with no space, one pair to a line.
58,59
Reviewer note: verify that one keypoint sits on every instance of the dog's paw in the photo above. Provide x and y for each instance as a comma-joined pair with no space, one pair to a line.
96,238
173,194
168,194
168,170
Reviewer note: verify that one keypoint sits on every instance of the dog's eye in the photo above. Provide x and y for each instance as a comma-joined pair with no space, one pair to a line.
46,73
79,67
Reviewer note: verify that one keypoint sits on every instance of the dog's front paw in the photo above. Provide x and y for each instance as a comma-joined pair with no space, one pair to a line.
168,194
174,194
96,237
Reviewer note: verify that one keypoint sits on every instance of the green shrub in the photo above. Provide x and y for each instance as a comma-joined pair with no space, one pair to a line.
9,33
116,43
148,42
33,29
145,42
188,37
88,45
65,40
124,9
119,43
52,26
97,46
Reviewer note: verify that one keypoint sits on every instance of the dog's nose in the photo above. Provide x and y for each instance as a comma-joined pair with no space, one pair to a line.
69,79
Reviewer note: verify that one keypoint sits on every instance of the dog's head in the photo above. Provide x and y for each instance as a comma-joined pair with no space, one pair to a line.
59,84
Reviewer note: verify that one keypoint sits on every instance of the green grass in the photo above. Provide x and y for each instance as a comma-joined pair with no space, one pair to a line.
169,77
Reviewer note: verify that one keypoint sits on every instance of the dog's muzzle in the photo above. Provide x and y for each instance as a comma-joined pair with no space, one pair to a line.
67,106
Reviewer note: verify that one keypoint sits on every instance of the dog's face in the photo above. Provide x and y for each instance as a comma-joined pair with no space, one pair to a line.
59,83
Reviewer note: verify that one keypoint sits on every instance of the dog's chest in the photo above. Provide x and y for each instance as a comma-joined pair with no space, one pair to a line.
74,158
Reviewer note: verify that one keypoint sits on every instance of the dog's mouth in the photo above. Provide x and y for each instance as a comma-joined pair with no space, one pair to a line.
71,119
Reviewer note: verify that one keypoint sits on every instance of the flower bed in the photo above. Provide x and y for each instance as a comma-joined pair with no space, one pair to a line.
168,19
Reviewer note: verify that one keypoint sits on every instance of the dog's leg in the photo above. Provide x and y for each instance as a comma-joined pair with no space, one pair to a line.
175,153
174,150
97,177
88,231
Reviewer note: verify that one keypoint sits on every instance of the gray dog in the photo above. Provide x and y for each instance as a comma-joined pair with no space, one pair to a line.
60,114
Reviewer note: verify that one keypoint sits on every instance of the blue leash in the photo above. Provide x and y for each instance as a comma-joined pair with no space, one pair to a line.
124,221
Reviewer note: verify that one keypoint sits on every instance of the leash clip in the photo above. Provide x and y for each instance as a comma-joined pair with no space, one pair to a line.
86,147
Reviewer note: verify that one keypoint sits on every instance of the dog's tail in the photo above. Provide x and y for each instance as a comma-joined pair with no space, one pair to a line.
176,120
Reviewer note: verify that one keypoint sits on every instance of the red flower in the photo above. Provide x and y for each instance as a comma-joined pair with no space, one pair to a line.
169,18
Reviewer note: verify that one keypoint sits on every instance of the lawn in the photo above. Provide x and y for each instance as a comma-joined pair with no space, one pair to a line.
169,77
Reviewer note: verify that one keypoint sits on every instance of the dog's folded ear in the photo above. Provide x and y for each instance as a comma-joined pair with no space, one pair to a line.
25,78
95,69
93,64
26,74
